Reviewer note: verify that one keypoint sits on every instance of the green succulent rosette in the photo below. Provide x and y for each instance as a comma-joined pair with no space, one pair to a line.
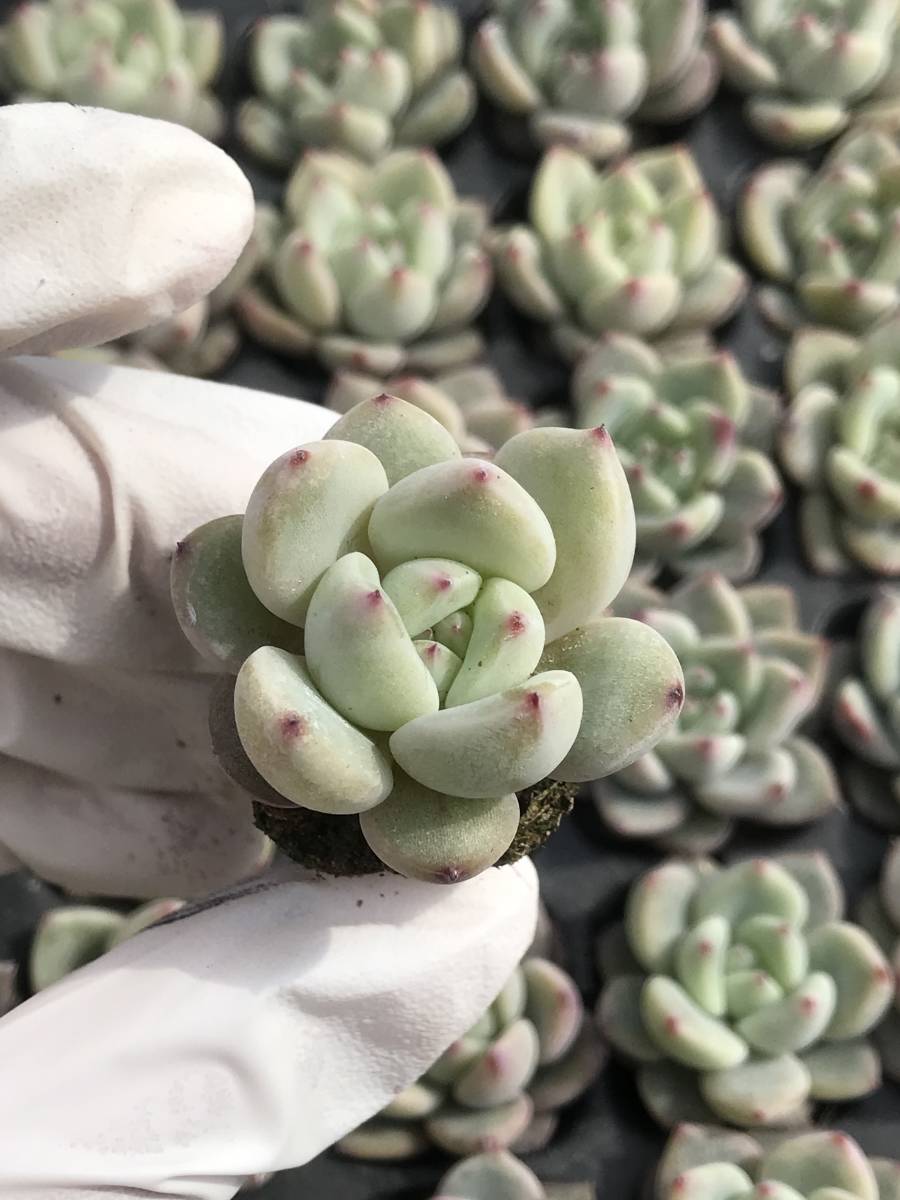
695,438
497,1175
502,1085
839,444
470,402
72,936
810,67
416,637
740,994
829,239
577,72
635,248
703,1163
136,56
879,913
357,76
734,753
376,269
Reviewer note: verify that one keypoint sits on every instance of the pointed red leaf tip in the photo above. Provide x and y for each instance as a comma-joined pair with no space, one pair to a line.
599,435
761,867
292,726
867,489
760,978
672,1025
602,387
679,1184
399,276
533,702
495,1062
808,1005
480,474
182,548
705,747
776,793
842,42
383,399
840,1141
298,458
705,948
678,529
724,430
853,288
515,624
449,875
374,599
636,474
765,1189
675,696
442,582
635,289
759,1115
431,650
303,248
881,974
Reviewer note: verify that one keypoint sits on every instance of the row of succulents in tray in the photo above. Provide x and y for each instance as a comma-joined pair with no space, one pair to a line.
364,76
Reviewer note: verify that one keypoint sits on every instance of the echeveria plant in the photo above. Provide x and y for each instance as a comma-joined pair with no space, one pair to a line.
694,437
829,240
359,76
447,614
578,71
74,935
866,714
373,268
497,1175
809,67
471,403
751,677
840,443
879,913
702,1163
635,248
740,993
503,1083
137,56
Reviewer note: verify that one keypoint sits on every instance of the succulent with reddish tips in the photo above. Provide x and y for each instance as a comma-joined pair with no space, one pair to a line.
702,1163
865,711
357,76
694,437
471,403
375,269
452,655
72,936
502,1084
751,676
829,240
879,913
497,1175
810,67
839,444
576,73
635,248
740,993
137,56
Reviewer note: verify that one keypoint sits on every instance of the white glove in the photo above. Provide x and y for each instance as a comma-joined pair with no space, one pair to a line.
249,1035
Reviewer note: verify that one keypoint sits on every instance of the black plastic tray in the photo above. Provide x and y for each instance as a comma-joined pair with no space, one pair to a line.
606,1138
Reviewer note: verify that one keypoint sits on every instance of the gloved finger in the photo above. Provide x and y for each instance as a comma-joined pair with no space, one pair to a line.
250,1036
110,223
108,727
102,470
116,841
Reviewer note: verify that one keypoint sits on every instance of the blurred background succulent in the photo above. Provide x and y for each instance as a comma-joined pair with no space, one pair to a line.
810,67
701,1163
634,248
751,676
740,994
829,240
879,913
694,437
373,268
498,1175
578,71
840,443
138,56
359,76
471,403
866,713
74,935
502,1085
425,590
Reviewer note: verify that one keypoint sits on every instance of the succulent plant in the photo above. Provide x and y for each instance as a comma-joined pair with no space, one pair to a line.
72,936
839,444
809,67
865,711
471,403
751,676
635,248
136,56
501,1085
375,268
358,76
497,1175
829,240
879,913
425,590
577,71
694,438
702,1163
741,994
